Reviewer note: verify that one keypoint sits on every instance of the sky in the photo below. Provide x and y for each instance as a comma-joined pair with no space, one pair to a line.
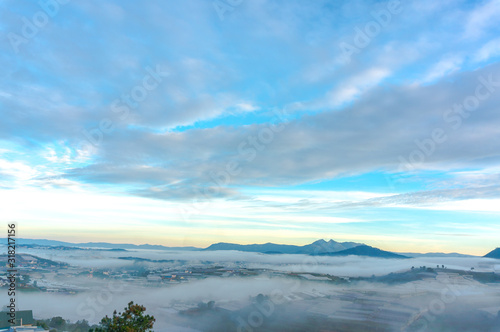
198,121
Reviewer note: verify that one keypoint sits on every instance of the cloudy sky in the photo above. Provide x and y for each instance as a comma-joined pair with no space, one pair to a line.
199,121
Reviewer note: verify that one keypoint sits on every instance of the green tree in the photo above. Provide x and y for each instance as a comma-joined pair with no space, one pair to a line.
57,323
80,326
42,324
131,320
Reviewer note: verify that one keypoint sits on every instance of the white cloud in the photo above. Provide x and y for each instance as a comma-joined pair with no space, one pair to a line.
353,87
64,157
482,18
247,107
446,66
17,170
489,50
474,205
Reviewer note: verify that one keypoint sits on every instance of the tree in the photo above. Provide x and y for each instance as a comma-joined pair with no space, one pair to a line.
58,323
42,324
131,320
81,326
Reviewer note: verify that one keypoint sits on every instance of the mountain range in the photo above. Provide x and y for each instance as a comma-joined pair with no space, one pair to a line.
319,247
106,245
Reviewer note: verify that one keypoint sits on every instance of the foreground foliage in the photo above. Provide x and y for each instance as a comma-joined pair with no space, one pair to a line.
132,319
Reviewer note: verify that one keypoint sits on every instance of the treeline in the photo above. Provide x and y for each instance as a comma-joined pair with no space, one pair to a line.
59,324
133,318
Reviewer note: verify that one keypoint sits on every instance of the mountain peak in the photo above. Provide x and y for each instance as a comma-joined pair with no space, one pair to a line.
493,254
323,241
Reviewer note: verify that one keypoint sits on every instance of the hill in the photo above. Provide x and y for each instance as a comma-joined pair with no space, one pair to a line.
262,248
102,245
24,260
434,254
364,250
493,254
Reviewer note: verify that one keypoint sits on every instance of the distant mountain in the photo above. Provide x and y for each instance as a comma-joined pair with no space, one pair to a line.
27,259
132,246
105,245
493,254
42,246
262,248
434,254
364,250
317,247
321,246
44,242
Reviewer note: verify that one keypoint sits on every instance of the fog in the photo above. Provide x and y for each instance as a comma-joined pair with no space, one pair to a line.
350,266
433,299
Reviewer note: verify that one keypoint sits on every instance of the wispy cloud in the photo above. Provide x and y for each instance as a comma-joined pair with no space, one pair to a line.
482,17
444,67
488,50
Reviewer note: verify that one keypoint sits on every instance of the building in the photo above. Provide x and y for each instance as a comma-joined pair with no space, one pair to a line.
24,322
23,329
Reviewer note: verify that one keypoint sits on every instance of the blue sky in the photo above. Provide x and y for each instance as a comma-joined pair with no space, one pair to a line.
193,122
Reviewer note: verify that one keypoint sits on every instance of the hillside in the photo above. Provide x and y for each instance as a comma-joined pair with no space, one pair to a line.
23,260
364,250
493,254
